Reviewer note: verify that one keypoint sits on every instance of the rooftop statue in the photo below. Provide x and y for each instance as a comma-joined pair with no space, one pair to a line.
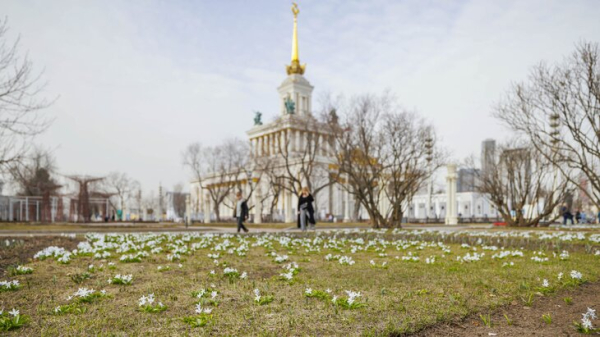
258,118
290,106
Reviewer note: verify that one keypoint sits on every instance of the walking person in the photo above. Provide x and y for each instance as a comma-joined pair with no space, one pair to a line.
241,212
578,216
306,211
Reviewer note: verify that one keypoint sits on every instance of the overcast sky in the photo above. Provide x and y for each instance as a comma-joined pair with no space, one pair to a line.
139,80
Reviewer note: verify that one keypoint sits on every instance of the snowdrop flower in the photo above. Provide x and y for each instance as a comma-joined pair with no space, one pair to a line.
334,299
372,262
213,295
328,291
560,276
545,283
591,313
200,310
576,275
212,272
180,265
103,292
308,291
586,323
56,310
256,295
14,312
244,275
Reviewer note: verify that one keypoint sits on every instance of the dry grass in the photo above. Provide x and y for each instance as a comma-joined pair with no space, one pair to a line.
405,297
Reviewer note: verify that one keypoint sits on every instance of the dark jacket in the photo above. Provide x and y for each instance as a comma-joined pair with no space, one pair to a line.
311,211
244,214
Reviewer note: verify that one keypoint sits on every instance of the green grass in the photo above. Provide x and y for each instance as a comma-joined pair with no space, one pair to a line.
404,297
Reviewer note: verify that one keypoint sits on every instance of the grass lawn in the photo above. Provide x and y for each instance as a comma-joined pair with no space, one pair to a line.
404,285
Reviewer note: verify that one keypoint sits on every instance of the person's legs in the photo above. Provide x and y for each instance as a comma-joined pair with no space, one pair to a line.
564,219
303,220
239,224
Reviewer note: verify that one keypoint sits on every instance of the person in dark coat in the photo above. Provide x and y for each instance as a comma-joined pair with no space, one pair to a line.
306,211
240,211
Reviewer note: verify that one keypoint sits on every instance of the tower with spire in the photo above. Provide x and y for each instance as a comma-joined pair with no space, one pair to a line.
295,91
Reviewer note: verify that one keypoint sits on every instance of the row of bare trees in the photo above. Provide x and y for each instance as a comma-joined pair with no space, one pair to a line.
556,115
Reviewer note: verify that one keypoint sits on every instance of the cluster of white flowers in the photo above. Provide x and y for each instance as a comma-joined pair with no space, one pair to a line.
65,259
352,296
508,264
281,258
84,293
576,275
51,251
148,300
586,321
564,255
560,276
174,257
506,253
214,256
257,295
102,255
470,258
23,269
199,310
230,271
539,259
430,260
9,285
346,260
124,279
244,276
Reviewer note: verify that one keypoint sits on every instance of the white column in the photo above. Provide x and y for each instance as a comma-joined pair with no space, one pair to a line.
289,217
451,214
188,211
347,208
257,205
207,208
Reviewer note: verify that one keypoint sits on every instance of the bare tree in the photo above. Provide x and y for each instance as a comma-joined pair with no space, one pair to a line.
219,170
122,186
20,101
301,157
519,184
33,173
33,176
381,157
558,109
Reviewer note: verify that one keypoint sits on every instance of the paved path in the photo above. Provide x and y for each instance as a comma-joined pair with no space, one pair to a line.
132,228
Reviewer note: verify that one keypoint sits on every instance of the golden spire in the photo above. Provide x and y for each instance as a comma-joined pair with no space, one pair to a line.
295,67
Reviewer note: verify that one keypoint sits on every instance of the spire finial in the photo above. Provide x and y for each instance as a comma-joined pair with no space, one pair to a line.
295,67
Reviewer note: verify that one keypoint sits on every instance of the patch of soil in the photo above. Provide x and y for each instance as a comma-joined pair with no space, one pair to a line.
527,321
19,250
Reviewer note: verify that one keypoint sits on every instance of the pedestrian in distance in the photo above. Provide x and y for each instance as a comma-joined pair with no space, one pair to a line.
306,211
240,212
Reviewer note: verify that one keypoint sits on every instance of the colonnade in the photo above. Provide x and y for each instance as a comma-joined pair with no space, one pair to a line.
295,140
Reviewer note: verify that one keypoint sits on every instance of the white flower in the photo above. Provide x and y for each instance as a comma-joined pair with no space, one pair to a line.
545,283
56,310
334,299
328,291
576,275
180,265
244,275
591,313
213,294
586,323
560,276
256,295
14,312
308,291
